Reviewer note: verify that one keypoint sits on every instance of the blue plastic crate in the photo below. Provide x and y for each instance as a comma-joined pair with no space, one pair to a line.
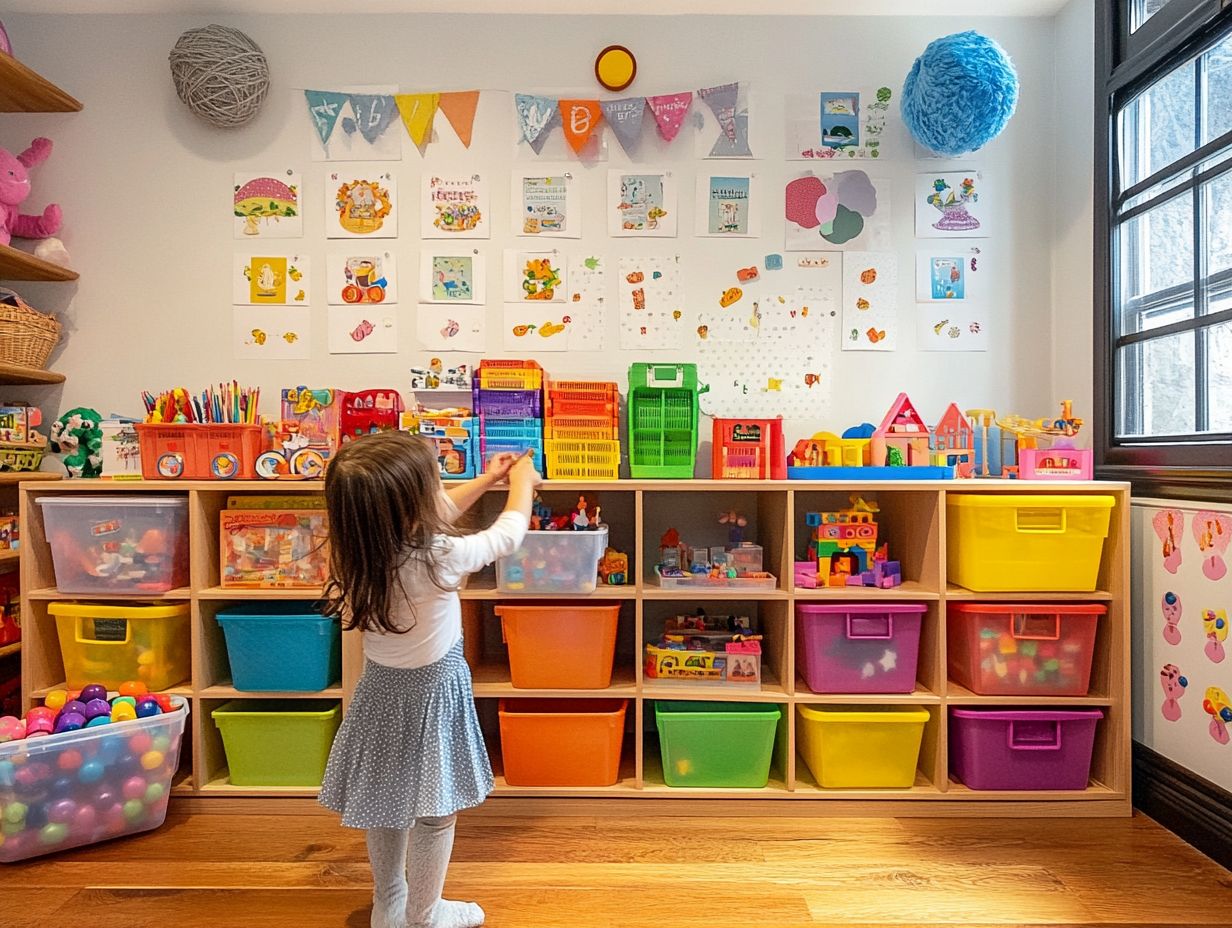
511,429
281,647
489,447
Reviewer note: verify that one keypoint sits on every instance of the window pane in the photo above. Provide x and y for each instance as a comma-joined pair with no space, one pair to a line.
1157,386
1142,10
1217,96
1158,125
1155,254
1219,376
1217,237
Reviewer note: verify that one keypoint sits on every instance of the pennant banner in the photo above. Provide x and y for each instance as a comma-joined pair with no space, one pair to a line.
669,111
536,116
324,107
579,118
459,108
625,118
373,114
417,110
722,102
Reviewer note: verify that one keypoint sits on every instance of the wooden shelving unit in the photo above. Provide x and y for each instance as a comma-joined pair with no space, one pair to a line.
23,90
912,518
20,375
16,264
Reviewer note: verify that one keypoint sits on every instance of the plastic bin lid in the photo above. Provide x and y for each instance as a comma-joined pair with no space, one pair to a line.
878,714
112,501
268,610
1033,501
279,708
117,611
1028,715
1030,608
860,608
663,707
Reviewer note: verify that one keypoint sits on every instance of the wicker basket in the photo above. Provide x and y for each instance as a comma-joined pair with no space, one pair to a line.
26,335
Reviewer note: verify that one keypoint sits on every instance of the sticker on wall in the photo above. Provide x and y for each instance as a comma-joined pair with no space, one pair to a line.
452,277
268,205
1215,627
870,301
641,204
450,328
1215,704
1212,531
838,124
949,274
435,375
534,276
651,303
528,327
1174,684
1169,526
844,209
728,205
952,327
546,205
362,329
270,280
360,205
455,207
951,205
271,333
587,303
1170,603
367,279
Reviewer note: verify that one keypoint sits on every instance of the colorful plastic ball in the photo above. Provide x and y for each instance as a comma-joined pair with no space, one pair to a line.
134,809
147,708
53,833
109,749
62,811
56,699
133,688
69,760
133,788
41,714
11,729
152,760
74,705
15,812
63,786
12,828
99,722
31,735
7,770
162,743
85,821
33,774
127,700
140,742
154,792
70,721
123,712
91,771
164,701
97,707
113,818
105,796
93,691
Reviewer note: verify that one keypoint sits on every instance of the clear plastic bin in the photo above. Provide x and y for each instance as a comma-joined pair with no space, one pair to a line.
716,744
553,562
281,647
110,644
866,648
869,747
562,742
1037,543
1023,749
273,742
117,544
47,809
1022,649
559,645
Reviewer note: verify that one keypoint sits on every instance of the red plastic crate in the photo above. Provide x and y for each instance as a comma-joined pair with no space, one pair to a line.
199,452
748,449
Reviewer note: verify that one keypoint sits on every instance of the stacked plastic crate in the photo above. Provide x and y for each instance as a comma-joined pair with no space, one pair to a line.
663,417
508,398
583,430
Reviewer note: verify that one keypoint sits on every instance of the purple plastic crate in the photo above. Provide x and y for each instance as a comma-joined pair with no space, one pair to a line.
868,648
508,404
1023,749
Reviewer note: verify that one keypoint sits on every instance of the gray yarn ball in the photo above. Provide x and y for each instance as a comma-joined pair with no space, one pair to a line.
220,74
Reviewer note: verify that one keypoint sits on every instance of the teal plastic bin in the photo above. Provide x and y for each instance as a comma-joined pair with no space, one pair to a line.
277,742
719,744
281,647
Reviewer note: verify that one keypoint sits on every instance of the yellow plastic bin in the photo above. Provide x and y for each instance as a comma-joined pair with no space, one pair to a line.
277,742
1018,542
871,747
110,644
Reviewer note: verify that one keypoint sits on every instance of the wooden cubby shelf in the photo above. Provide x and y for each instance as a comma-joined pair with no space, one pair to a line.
24,90
913,516
16,264
20,375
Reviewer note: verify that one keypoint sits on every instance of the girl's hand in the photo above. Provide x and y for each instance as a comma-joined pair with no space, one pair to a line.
500,465
523,471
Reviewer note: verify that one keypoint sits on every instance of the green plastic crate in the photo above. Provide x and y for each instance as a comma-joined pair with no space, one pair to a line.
716,744
277,742
663,418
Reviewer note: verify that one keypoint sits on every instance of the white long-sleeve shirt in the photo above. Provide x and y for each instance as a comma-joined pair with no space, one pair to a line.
433,615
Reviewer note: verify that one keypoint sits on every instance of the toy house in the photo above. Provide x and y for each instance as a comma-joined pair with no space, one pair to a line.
902,439
368,411
843,550
953,442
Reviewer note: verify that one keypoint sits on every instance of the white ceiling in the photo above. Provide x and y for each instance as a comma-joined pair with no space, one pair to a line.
662,7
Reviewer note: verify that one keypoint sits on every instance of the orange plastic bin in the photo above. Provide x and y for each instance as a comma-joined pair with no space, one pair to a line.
562,742
559,645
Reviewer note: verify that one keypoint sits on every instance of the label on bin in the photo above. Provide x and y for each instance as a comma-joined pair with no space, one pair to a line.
110,629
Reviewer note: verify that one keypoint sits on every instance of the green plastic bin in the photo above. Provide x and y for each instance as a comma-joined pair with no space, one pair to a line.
277,742
663,418
723,744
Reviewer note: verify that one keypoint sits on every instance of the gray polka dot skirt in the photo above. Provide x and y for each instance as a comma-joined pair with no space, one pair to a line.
409,747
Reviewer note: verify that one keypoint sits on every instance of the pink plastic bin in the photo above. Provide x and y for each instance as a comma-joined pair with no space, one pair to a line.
1025,749
1016,649
869,648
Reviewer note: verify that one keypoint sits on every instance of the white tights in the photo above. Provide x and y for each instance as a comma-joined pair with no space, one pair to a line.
408,868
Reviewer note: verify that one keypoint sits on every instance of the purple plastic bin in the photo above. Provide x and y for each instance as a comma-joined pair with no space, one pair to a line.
1025,749
869,648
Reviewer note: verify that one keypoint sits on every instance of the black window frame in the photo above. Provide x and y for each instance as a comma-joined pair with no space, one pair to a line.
1125,63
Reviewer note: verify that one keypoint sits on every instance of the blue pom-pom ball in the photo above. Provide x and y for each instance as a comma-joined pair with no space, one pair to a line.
959,94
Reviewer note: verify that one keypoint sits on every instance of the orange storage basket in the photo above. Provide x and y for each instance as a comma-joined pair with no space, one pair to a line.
560,645
562,742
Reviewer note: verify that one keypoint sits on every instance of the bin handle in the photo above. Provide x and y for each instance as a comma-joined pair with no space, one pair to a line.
889,626
1037,521
504,640
1054,745
1019,624
81,639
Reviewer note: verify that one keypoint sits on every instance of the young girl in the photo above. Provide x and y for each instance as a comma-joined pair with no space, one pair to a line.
409,754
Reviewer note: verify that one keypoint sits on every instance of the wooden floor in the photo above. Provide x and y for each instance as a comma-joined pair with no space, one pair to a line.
286,864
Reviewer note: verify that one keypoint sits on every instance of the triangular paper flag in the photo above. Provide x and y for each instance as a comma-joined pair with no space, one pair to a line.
722,102
669,112
546,131
734,148
536,115
625,118
417,110
579,118
324,106
459,108
373,114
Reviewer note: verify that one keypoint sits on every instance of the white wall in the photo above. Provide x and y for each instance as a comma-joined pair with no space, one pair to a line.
145,185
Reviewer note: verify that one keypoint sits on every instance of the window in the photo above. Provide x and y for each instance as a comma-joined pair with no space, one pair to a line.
1165,337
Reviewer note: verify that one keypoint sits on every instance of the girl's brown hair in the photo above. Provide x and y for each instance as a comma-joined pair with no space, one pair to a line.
381,493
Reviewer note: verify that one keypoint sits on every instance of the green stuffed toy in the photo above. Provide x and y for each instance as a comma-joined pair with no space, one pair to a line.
78,436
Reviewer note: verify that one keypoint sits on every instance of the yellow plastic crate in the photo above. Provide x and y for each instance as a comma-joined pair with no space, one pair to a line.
582,460
584,428
1026,543
873,747
510,375
112,644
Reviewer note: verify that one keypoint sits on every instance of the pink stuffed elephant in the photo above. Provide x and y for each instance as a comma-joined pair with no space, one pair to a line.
15,187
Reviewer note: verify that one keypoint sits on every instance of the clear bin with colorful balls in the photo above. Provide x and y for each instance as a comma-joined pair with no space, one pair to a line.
87,769
553,562
111,643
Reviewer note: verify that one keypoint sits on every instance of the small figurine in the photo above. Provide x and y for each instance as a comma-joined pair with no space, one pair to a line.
580,520
735,523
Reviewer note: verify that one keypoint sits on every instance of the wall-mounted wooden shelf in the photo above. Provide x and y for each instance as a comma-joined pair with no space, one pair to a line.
20,375
23,90
16,264
913,519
